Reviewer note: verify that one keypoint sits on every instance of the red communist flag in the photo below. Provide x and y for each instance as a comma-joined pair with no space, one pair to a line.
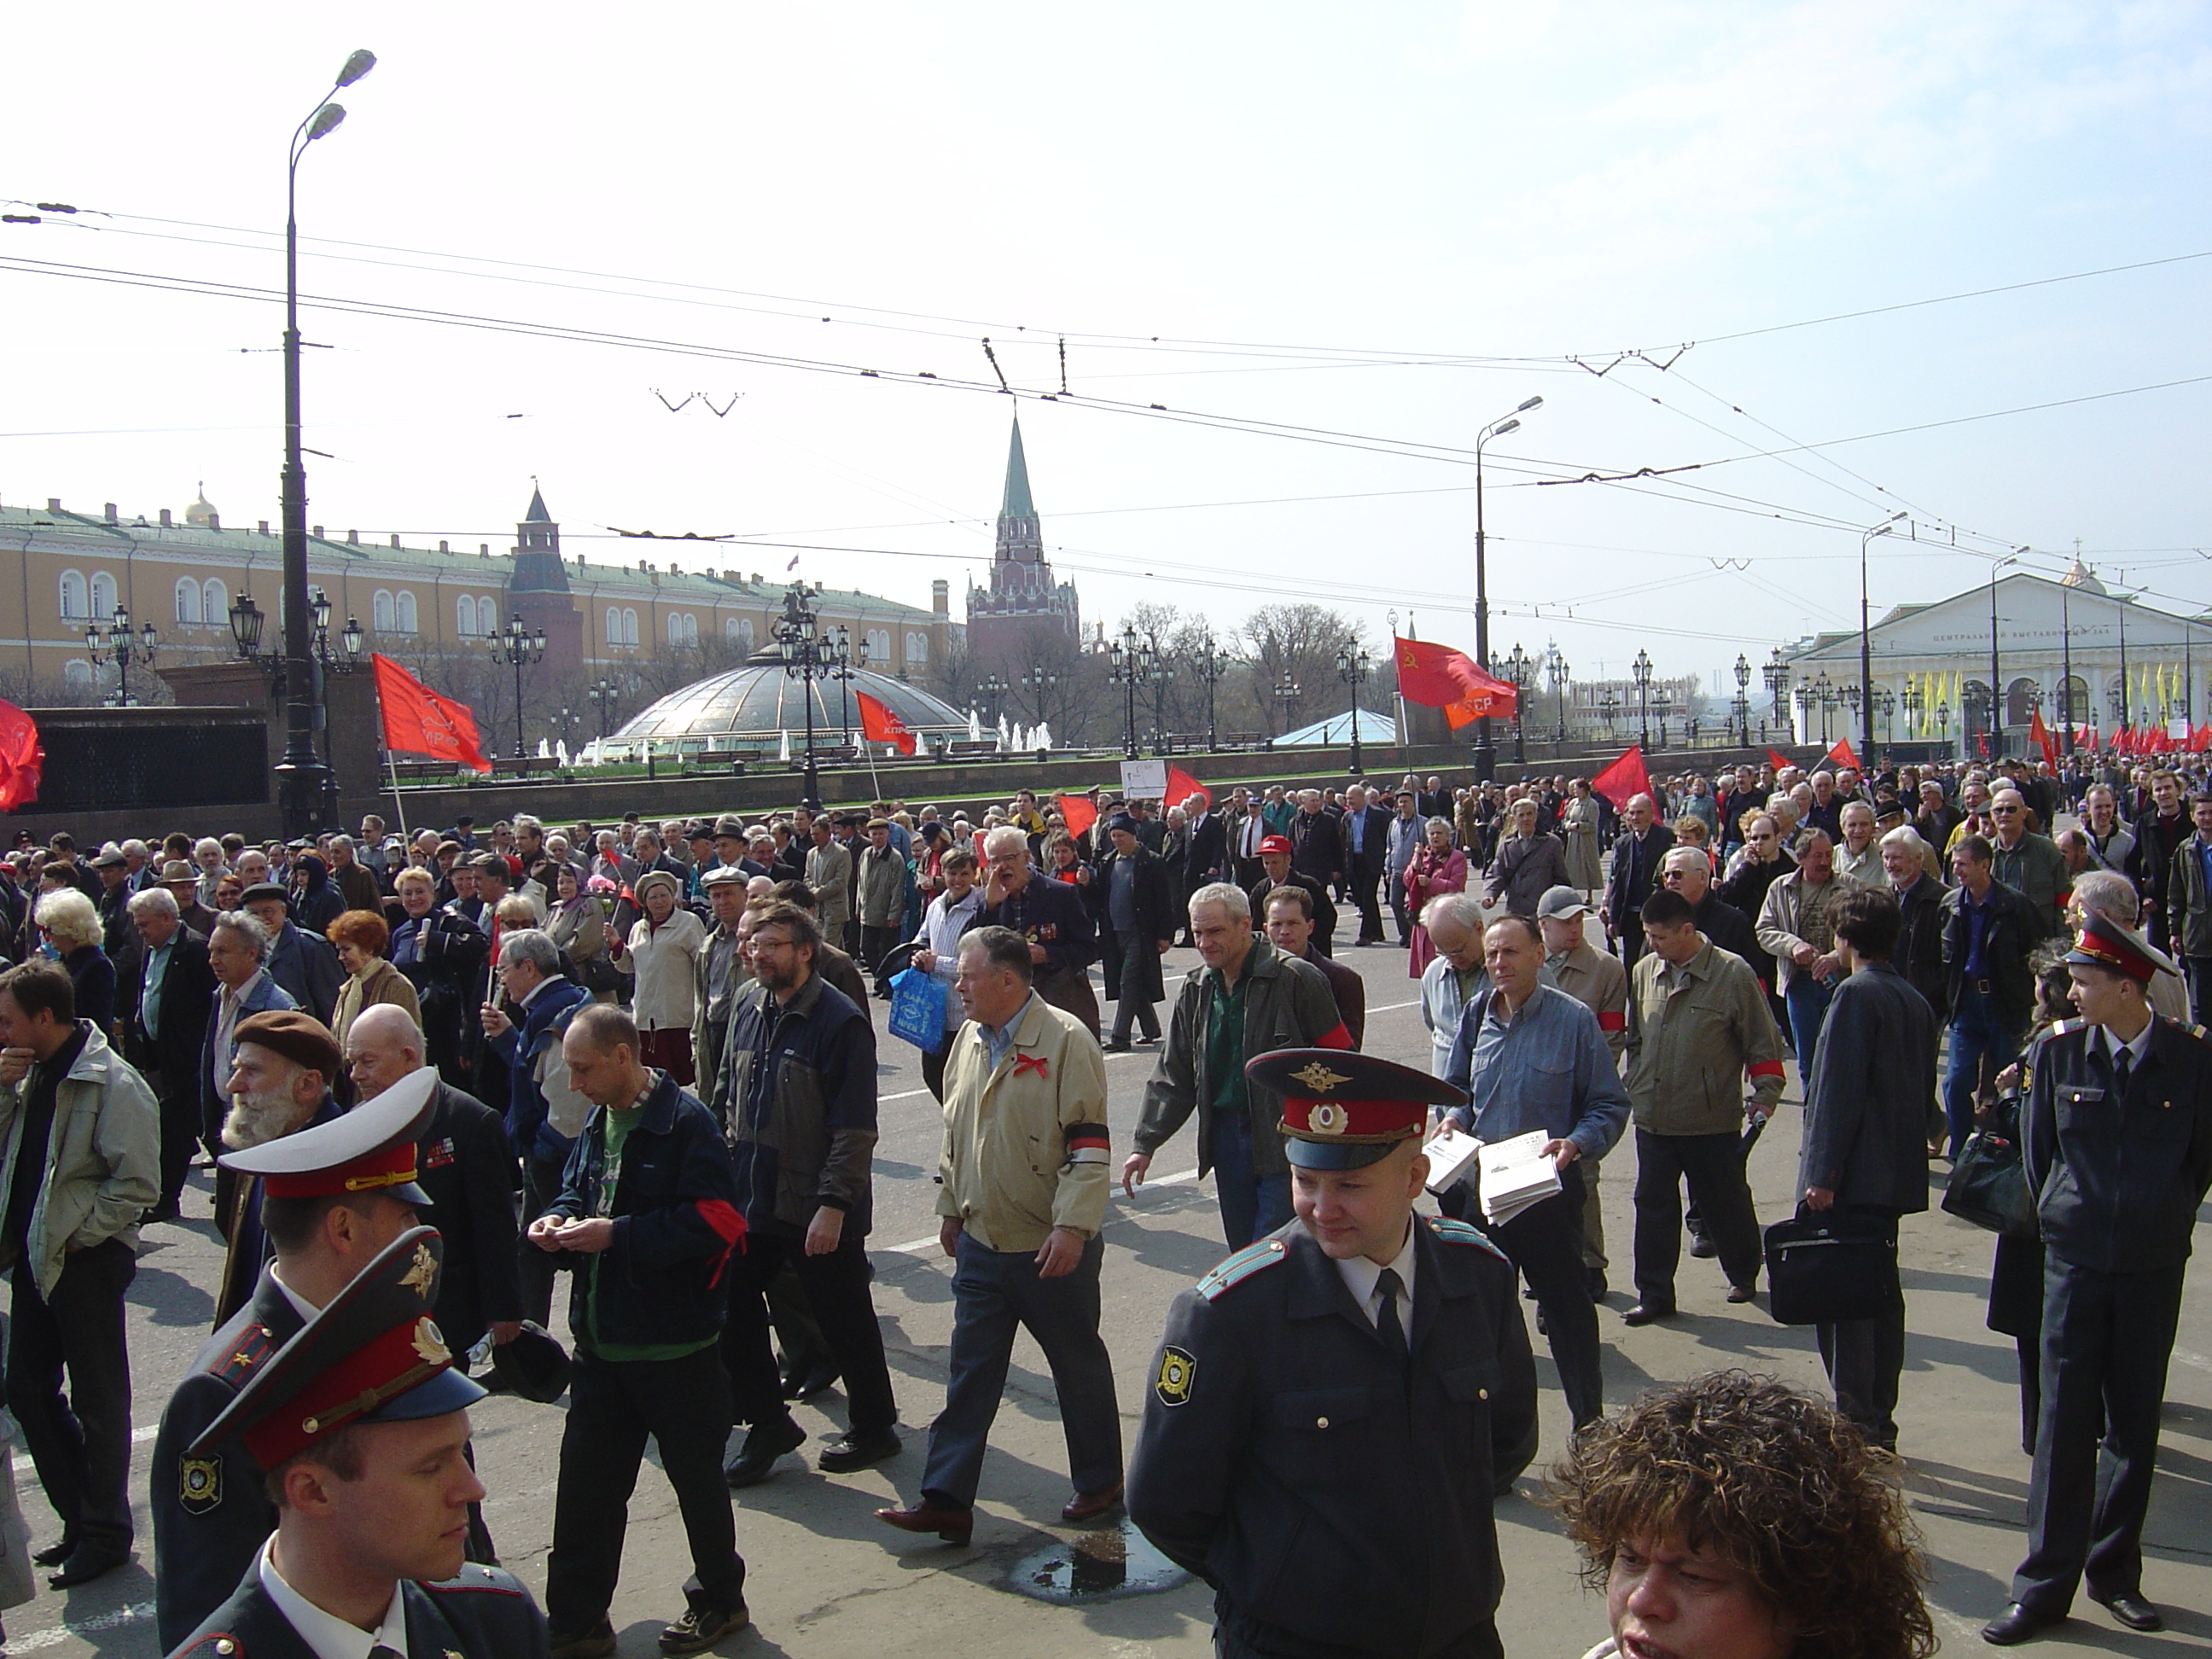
1624,780
880,723
1843,754
1077,812
22,758
1182,786
1778,760
418,722
2041,733
1437,677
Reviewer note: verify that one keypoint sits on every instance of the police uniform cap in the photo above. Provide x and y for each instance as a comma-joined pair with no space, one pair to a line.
534,1365
373,1355
1343,1110
2103,943
301,1038
368,1149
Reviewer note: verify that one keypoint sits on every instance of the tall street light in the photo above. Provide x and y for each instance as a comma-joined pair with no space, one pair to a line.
808,655
1996,682
302,776
1210,663
1555,666
1640,671
1776,674
1520,669
1485,753
522,649
1353,667
125,648
1865,640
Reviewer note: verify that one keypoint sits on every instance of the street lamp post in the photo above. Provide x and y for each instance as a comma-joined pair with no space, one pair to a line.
1996,681
992,688
1865,704
1129,662
1286,692
1210,663
1521,668
1041,682
1640,671
1353,667
1555,665
841,645
605,694
808,655
519,649
122,647
1776,673
1743,698
1485,753
301,775
1608,703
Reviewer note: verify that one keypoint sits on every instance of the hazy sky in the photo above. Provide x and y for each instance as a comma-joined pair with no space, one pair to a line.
1394,222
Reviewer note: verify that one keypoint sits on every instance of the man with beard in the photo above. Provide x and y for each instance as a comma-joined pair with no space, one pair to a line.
282,1067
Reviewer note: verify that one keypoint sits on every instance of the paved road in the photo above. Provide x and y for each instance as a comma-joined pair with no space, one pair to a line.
829,1579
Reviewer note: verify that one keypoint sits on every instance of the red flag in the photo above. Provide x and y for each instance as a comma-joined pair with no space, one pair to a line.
1077,812
1437,677
418,722
1778,760
2041,733
22,758
1843,756
1624,780
1182,786
2200,738
880,723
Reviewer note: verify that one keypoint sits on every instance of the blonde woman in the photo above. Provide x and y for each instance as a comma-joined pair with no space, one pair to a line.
70,926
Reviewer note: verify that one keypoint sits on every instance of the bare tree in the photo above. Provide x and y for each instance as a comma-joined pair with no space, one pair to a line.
1297,645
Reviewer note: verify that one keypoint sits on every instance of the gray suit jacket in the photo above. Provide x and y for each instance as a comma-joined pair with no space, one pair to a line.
1871,1099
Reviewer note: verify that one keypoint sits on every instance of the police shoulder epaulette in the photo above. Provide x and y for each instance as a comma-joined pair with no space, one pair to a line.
1234,1271
475,1580
2068,1027
1448,1231
237,1362
216,1645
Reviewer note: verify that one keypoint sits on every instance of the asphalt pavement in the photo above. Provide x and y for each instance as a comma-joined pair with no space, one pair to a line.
827,1579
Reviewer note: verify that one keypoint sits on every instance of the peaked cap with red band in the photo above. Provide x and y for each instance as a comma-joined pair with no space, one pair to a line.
1343,1110
2103,943
369,1149
373,1355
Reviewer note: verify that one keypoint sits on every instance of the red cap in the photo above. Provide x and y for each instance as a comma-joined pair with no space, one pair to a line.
2105,944
1275,844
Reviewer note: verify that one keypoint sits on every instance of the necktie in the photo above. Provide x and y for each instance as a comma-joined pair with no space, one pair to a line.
381,1651
1386,1323
2123,1063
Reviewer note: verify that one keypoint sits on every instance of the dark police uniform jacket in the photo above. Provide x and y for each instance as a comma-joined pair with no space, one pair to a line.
484,1614
1286,1460
210,1513
2117,1182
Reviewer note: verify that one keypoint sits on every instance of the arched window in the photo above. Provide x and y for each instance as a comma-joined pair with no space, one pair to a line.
2019,701
464,617
402,613
103,595
879,647
188,600
745,634
73,605
917,648
380,610
629,626
614,625
487,616
214,604
690,629
675,629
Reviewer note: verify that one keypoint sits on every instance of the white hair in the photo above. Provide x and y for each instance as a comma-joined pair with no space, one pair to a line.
1005,836
1229,897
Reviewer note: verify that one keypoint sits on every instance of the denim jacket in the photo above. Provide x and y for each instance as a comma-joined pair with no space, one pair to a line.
1553,1072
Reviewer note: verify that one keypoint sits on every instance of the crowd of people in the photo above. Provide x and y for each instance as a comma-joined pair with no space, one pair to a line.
435,1073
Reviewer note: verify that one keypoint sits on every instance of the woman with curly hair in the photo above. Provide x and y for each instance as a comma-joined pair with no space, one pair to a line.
1731,1517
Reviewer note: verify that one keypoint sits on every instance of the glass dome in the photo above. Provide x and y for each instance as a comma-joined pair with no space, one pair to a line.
754,705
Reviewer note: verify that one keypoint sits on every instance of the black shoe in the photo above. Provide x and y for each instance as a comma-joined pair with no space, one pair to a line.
854,1452
764,1443
54,1554
592,1644
700,1628
1742,1293
168,1210
1119,1046
1703,1248
2132,1611
1642,1314
2015,1624
819,1378
87,1562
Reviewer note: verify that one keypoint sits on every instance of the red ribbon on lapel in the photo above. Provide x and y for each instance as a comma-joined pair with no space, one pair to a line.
1031,1063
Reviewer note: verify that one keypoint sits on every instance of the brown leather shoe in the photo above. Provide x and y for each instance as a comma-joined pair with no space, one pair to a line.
953,1526
1090,1505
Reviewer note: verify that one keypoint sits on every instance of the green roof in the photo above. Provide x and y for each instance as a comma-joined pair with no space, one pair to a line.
1017,503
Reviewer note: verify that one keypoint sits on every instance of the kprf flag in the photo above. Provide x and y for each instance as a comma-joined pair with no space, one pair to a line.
1077,812
1778,760
2041,733
1624,780
1842,754
1437,677
22,758
880,723
1182,786
418,722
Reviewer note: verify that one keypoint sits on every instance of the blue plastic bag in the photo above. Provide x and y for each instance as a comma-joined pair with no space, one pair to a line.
918,1009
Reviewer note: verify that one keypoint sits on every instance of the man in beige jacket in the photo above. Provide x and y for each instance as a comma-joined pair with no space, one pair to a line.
1025,1175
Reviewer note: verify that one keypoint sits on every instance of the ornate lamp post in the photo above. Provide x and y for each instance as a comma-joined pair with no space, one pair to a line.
120,646
246,623
1520,669
1640,671
1777,673
1555,665
1916,706
841,645
1743,699
808,655
1354,668
1943,723
605,694
1485,753
1884,704
1041,682
1286,693
522,649
302,777
1126,666
1608,705
1210,663
992,688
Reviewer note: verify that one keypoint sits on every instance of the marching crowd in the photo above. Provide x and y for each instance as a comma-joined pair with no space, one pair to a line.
436,1073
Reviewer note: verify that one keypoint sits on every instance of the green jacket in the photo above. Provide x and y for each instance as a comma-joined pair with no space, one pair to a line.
103,1157
1692,1045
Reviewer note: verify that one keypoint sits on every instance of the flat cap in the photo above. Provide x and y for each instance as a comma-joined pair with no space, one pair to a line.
301,1038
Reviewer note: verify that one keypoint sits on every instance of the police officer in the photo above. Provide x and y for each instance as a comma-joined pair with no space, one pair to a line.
333,1197
2117,1144
1334,1408
361,1421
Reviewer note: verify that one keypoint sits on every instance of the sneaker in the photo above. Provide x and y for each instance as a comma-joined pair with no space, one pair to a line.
592,1645
854,1452
700,1628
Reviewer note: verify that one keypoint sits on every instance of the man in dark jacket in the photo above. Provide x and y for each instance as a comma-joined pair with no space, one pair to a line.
1919,954
1366,830
1290,928
1634,875
1138,923
799,1108
1050,914
302,963
1207,860
165,999
1869,1100
1276,871
1688,871
1988,930
648,1225
1317,841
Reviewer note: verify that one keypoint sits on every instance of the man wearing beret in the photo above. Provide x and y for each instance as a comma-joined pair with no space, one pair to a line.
282,1067
361,1421
1334,1409
334,1197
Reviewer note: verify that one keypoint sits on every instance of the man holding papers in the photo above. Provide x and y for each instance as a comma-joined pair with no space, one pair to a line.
1535,1064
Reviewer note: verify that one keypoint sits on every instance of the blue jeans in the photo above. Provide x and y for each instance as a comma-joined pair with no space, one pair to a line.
1252,1205
1807,1000
1978,1033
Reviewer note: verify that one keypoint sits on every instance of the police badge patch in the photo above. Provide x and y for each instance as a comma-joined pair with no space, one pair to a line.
1178,1372
199,1484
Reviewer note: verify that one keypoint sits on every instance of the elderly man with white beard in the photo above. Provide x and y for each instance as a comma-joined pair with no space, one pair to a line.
281,1066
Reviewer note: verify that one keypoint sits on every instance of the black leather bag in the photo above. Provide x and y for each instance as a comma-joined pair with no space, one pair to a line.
1826,1267
1989,1185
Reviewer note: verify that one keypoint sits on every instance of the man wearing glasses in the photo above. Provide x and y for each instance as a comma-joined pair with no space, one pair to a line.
2029,863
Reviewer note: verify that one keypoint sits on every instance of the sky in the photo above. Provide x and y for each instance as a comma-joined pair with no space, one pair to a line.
1332,245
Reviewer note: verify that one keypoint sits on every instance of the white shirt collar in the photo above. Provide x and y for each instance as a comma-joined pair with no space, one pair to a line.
301,1305
531,995
2138,1050
328,1636
1362,1272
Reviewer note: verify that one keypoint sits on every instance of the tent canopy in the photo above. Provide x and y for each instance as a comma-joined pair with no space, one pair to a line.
1336,730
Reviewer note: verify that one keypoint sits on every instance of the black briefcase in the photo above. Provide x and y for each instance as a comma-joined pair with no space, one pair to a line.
1823,1268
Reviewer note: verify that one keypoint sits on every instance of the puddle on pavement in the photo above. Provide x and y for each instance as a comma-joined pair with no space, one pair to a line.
1096,1566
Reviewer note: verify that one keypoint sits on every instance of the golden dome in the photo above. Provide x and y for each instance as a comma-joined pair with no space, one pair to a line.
201,513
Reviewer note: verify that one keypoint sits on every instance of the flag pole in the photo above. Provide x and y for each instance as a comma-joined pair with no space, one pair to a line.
874,782
399,806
